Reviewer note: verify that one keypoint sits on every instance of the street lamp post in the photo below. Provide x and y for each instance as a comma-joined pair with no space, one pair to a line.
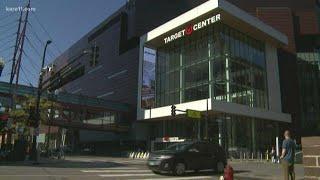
37,120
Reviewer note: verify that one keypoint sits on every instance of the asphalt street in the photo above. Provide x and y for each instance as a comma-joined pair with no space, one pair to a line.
97,168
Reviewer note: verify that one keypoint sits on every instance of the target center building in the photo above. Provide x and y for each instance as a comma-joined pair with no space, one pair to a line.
219,60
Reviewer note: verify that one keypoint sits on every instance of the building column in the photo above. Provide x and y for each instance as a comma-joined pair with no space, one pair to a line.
181,77
253,135
227,79
220,131
210,70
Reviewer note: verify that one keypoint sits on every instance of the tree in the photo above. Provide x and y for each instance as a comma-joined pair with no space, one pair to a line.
25,113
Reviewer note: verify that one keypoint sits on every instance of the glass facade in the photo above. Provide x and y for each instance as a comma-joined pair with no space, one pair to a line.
217,62
239,134
309,88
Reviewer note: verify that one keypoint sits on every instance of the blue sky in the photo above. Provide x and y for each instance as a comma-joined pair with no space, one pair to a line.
65,21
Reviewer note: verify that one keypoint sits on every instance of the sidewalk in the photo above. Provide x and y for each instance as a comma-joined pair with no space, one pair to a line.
30,163
262,170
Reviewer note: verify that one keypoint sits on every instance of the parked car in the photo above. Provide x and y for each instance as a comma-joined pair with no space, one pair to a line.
181,157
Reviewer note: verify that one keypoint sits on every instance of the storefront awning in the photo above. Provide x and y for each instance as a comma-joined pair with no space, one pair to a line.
215,106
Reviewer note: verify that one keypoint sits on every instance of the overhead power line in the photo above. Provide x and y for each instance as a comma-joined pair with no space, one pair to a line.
26,75
6,49
6,42
7,29
32,63
32,46
44,29
6,16
6,37
9,23
36,36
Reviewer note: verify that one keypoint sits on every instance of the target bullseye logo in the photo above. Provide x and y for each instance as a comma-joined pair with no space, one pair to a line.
189,30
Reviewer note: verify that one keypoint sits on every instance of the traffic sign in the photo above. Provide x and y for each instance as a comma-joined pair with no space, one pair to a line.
193,114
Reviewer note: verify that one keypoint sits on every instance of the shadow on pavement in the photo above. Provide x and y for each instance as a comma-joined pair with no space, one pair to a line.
66,164
205,173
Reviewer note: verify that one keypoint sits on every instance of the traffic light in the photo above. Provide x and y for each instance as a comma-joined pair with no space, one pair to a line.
173,110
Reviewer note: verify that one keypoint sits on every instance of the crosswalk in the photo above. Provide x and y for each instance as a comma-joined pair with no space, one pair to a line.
138,173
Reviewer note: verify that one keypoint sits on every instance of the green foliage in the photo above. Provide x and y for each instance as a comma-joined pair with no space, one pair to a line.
27,113
19,115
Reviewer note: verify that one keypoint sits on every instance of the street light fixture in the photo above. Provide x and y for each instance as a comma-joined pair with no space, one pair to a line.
37,120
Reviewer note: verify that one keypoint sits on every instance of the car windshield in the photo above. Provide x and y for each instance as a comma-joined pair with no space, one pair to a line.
178,147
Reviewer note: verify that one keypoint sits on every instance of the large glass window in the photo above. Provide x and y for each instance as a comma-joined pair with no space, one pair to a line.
218,59
245,69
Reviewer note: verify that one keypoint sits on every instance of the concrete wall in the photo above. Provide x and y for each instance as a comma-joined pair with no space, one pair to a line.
311,157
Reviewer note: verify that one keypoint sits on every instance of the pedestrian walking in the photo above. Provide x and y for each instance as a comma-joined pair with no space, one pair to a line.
273,155
287,156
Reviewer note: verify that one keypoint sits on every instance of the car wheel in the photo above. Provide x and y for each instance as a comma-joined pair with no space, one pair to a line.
220,167
156,172
179,169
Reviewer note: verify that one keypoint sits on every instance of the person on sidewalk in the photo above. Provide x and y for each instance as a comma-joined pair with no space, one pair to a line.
287,156
273,155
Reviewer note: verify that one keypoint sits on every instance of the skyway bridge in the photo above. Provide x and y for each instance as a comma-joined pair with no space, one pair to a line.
80,112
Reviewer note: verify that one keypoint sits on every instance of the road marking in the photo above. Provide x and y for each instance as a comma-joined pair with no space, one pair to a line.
115,171
124,175
42,175
132,161
113,168
181,178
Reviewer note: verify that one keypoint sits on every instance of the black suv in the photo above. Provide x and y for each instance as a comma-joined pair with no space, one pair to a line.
181,157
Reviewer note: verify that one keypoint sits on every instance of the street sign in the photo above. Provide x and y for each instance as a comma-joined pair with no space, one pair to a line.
41,138
193,114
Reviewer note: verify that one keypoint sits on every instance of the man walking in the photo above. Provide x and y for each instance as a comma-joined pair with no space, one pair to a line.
287,156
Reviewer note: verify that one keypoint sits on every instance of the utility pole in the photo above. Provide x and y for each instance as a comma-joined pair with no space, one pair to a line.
15,50
23,36
16,63
17,45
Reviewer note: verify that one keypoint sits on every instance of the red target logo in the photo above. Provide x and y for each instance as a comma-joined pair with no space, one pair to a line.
189,30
